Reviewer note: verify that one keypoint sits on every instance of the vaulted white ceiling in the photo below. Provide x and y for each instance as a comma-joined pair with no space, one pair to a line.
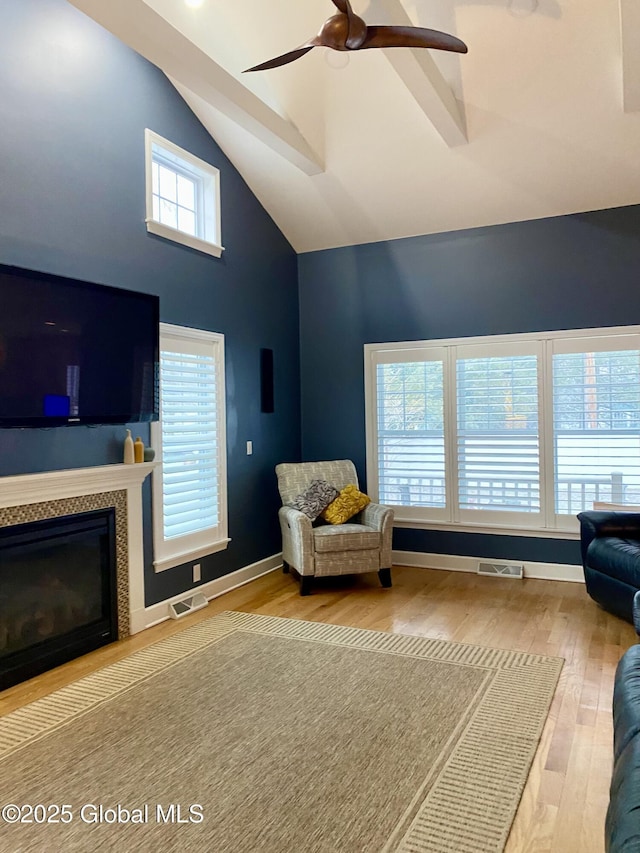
540,118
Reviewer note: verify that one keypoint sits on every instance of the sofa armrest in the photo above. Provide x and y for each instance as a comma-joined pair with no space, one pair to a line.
297,539
609,523
380,518
636,612
606,523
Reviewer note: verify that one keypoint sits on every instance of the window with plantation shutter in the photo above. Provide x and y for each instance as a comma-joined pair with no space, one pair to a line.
505,433
190,515
498,442
596,422
410,432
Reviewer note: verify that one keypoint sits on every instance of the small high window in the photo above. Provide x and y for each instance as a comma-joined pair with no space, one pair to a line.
183,196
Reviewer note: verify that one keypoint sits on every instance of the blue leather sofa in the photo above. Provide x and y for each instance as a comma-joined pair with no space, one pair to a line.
622,829
610,543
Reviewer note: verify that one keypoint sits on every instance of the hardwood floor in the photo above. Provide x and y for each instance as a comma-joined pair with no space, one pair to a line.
565,799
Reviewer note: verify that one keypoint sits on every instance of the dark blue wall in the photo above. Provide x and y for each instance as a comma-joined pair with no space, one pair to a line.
568,272
74,103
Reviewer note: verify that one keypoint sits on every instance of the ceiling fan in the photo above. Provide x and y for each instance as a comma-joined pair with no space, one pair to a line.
347,31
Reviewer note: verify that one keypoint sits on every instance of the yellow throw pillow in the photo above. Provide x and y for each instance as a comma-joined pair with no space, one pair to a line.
349,502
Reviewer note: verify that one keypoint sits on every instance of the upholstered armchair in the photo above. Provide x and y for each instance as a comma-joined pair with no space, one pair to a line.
315,549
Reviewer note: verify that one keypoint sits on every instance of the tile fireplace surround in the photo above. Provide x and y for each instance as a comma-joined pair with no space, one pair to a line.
33,497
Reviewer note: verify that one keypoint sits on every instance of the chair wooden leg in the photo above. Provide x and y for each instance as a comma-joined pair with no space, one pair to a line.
285,567
385,577
305,584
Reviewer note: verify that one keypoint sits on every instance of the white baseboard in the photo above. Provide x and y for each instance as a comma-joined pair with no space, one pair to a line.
147,616
451,563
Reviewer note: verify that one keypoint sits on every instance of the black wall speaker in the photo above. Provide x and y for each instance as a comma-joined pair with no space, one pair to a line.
266,381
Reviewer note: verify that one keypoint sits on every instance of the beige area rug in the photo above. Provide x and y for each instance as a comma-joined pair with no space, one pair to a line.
255,734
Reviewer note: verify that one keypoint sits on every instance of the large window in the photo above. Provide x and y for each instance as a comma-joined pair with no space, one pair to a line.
518,432
183,196
189,488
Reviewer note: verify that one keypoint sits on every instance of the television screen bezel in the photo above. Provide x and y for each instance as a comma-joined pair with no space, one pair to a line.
24,422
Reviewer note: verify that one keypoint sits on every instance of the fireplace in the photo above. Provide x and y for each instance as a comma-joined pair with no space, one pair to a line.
110,493
58,591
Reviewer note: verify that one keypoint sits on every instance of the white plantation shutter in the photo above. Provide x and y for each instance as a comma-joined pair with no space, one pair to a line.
596,422
517,432
410,432
498,440
190,489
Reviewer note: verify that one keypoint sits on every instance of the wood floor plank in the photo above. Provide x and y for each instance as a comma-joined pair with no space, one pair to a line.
565,799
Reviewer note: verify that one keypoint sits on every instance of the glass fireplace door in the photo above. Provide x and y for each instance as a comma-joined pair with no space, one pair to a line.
57,592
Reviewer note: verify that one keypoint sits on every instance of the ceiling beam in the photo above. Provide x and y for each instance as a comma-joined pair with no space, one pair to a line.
147,32
422,77
630,31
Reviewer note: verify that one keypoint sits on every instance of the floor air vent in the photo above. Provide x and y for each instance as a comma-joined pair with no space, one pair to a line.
504,570
187,605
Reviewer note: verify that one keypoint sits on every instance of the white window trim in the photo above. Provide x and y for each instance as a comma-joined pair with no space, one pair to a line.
175,552
203,170
552,526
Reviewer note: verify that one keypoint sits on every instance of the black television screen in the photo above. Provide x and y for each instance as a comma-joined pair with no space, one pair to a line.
74,352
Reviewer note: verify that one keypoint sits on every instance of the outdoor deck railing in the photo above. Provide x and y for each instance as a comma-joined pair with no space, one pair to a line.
573,494
412,464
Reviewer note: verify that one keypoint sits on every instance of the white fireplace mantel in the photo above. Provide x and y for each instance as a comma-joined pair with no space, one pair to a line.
72,482
47,486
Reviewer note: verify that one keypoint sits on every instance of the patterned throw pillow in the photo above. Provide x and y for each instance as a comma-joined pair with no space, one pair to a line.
315,498
348,503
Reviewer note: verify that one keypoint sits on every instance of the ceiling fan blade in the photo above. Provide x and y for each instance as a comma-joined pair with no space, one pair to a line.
281,60
412,37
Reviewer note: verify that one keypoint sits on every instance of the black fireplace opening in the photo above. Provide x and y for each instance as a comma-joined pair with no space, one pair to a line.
58,594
